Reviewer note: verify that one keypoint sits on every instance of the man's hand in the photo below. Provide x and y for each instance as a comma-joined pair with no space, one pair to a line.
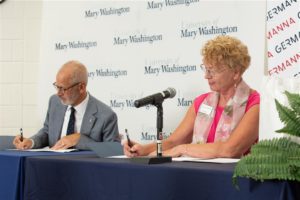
67,141
25,144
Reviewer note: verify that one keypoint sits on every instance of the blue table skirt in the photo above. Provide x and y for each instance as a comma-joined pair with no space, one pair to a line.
12,170
118,179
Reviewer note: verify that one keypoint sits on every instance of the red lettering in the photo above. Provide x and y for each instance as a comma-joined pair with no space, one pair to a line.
270,54
293,59
280,27
287,63
281,68
272,71
292,21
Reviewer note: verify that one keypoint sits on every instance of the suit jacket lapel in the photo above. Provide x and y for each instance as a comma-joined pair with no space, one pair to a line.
89,118
61,110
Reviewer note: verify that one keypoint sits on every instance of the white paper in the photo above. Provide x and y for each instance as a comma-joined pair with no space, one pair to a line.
46,149
190,159
120,156
213,160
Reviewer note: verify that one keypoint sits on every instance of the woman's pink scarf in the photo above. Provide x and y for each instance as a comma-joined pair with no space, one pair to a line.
231,116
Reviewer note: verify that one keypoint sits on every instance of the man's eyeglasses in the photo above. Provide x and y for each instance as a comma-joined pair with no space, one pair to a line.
210,72
62,89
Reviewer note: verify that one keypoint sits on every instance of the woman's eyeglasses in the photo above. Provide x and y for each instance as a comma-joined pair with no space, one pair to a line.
211,72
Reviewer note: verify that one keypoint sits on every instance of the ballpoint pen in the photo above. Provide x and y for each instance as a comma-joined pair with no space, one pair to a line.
21,133
128,139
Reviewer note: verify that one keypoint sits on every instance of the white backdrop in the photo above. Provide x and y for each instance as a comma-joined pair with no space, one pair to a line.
135,48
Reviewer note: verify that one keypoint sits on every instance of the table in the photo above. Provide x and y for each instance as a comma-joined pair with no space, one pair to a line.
12,170
119,179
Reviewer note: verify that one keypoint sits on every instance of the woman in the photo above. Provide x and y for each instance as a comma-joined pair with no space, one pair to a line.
221,123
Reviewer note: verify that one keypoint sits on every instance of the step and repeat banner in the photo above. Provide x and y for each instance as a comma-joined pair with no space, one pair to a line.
283,36
283,62
133,49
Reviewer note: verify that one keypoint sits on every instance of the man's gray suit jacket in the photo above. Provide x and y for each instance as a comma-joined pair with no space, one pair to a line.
99,124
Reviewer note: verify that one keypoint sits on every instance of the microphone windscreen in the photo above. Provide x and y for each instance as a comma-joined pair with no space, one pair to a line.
172,92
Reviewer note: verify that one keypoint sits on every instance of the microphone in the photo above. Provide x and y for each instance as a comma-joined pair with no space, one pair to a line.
155,99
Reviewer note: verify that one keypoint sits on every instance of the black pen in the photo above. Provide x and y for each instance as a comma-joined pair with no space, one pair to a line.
21,133
128,139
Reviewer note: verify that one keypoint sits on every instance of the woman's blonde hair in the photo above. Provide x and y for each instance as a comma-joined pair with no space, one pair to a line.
228,51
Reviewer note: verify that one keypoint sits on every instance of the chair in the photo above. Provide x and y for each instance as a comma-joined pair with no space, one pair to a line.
6,142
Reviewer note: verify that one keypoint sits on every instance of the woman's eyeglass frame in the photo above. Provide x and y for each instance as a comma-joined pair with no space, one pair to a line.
211,73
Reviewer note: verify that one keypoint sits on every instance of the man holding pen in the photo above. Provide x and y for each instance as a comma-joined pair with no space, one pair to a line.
74,117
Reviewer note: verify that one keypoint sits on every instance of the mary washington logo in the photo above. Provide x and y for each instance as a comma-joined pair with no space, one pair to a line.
107,72
152,137
159,5
114,103
182,102
193,33
180,2
75,45
114,11
216,30
106,12
155,70
110,72
137,39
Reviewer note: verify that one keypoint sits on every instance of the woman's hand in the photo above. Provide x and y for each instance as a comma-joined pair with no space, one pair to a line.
174,152
135,150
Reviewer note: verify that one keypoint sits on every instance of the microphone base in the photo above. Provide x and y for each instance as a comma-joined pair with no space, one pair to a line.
151,160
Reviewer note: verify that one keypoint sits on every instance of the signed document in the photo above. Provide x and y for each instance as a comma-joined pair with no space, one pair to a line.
190,159
212,160
47,149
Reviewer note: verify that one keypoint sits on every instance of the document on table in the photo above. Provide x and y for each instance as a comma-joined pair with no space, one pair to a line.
120,156
212,160
47,149
190,159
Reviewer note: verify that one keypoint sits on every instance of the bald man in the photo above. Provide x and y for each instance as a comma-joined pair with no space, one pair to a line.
74,117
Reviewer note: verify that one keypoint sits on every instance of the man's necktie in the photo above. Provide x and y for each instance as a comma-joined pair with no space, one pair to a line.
71,124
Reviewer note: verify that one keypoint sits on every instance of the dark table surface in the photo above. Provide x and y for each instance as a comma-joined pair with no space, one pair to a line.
67,177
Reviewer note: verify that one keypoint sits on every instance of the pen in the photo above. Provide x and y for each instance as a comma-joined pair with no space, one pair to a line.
21,133
128,139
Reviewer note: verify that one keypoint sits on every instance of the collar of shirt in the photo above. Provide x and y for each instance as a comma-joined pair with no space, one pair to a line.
80,108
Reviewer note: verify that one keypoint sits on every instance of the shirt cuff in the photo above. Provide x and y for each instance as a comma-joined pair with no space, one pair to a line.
32,143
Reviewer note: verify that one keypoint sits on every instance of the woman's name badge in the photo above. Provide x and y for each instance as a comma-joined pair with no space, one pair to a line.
205,109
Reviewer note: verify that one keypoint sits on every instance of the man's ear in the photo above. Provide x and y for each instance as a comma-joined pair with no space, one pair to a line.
82,87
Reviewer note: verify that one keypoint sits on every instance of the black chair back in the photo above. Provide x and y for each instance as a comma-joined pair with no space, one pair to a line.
6,142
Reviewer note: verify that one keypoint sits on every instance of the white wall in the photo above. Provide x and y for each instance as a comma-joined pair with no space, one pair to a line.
20,27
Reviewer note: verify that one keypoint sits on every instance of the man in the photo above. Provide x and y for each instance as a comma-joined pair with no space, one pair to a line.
74,117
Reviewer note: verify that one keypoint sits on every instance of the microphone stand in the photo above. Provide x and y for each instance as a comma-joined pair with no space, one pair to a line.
159,137
159,126
159,158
